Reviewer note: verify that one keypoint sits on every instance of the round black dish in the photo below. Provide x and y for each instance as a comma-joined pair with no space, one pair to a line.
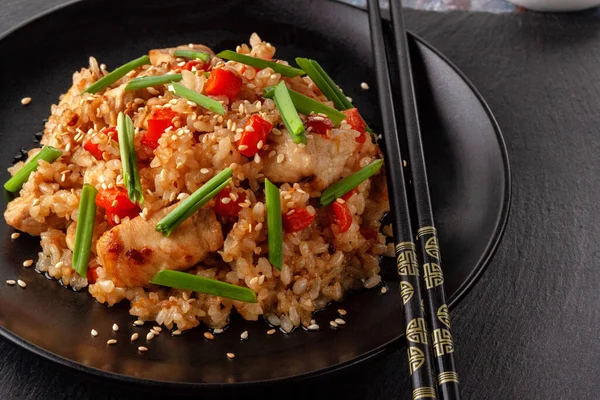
467,161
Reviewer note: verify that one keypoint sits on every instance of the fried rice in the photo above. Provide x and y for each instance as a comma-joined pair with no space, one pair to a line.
320,263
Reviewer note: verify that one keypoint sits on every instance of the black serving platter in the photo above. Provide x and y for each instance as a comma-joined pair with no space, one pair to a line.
466,158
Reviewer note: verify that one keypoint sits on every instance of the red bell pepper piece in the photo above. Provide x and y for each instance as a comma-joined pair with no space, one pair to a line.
223,82
298,220
357,123
320,125
342,216
255,130
116,202
158,122
231,208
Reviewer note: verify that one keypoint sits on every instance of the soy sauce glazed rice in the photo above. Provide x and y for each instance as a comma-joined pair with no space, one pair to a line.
227,238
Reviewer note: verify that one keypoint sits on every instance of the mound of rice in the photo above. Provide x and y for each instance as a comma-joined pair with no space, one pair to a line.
320,263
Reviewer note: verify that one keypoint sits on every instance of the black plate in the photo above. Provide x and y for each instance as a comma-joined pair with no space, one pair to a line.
466,158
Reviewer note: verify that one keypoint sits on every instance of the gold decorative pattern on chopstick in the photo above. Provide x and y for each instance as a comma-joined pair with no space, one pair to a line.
406,258
443,315
416,358
442,342
432,273
416,331
432,246
427,230
406,291
424,393
448,376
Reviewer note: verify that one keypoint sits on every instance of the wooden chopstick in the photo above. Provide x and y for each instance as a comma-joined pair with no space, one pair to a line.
437,308
417,337
420,359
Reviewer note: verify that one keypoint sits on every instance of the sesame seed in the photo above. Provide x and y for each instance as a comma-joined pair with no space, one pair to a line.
27,263
261,280
271,331
404,162
293,210
290,204
216,331
115,203
115,327
272,153
313,327
249,128
257,158
138,322
142,349
231,356
11,282
349,99
157,328
280,158
94,333
318,119
111,341
340,321
260,144
311,210
204,170
68,147
333,324
176,332
209,335
59,264
340,200
244,335
226,200
341,311
364,86
117,219
134,337
191,103
242,147
25,100
150,335
15,235
384,290
254,281
258,227
21,283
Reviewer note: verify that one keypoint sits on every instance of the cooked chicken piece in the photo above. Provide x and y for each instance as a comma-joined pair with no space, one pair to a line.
159,57
17,215
322,157
133,252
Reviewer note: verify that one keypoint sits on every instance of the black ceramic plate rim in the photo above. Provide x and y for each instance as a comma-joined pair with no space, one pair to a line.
468,284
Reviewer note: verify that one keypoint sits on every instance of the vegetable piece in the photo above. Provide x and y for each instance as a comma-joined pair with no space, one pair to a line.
274,224
288,113
222,82
117,74
344,186
319,79
200,99
342,216
94,149
148,81
319,124
189,206
200,284
284,70
298,220
229,208
188,66
306,105
85,229
357,123
369,233
131,174
256,130
346,104
92,275
192,54
158,122
351,193
116,203
48,154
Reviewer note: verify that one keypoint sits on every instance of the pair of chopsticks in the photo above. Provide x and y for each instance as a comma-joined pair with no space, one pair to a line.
430,348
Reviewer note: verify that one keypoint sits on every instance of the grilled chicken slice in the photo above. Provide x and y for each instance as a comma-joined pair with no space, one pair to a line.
322,157
17,215
133,252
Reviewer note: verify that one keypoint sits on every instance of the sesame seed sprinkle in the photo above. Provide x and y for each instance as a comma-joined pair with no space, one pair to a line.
15,235
150,335
94,332
271,332
244,335
261,280
340,321
254,281
111,341
204,170
226,200
59,264
25,100
313,327
333,324
231,356
27,263
209,335
142,349
21,283
216,331
176,332
115,327
364,86
341,311
242,147
134,337
11,282
138,322
340,200
384,290
280,158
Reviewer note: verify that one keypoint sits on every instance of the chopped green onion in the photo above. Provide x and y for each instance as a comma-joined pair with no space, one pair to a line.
48,154
284,70
342,187
131,174
148,81
274,225
200,99
200,284
189,206
192,54
332,92
117,74
206,74
288,113
305,105
344,100
84,229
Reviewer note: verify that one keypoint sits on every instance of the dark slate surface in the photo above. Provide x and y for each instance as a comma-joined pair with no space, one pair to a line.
528,328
